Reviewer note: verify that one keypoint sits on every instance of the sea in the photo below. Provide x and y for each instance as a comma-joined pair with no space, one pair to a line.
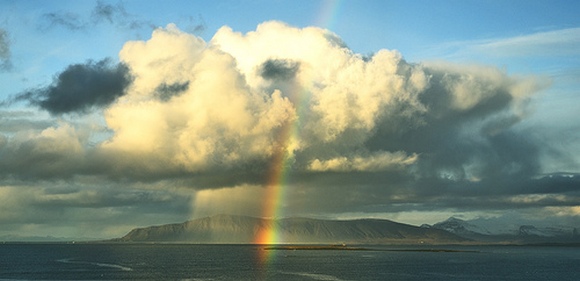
102,261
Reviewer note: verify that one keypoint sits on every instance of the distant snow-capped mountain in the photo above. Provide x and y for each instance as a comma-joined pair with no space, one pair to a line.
497,230
461,227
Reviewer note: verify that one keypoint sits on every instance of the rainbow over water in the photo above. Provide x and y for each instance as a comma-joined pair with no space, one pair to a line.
277,181
287,139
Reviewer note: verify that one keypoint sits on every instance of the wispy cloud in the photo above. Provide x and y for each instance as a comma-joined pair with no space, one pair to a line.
108,12
563,42
102,13
5,54
554,43
67,20
118,16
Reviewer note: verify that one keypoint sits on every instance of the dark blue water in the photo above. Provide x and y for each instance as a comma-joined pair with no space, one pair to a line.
242,262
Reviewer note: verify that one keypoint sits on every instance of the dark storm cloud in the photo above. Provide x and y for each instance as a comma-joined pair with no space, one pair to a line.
80,87
5,60
165,92
278,69
471,156
476,141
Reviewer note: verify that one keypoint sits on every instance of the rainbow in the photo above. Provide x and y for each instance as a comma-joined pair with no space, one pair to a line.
287,138
328,15
276,182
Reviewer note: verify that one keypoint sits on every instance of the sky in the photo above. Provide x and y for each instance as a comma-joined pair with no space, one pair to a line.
123,114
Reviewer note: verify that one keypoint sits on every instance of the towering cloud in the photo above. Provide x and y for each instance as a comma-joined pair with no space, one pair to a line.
361,131
213,120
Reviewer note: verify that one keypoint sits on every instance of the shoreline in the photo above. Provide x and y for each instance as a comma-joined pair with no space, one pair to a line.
348,248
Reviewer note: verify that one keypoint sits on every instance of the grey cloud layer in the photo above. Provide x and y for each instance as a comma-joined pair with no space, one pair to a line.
365,133
25,209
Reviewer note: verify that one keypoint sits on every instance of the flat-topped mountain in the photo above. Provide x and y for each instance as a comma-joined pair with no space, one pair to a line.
244,229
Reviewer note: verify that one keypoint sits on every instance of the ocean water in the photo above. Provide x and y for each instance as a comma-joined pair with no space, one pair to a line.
248,262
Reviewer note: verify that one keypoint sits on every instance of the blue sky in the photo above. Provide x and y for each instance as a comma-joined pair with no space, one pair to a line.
420,30
476,51
461,31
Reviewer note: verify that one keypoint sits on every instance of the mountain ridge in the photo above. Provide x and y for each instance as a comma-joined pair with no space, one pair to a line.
512,233
235,229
